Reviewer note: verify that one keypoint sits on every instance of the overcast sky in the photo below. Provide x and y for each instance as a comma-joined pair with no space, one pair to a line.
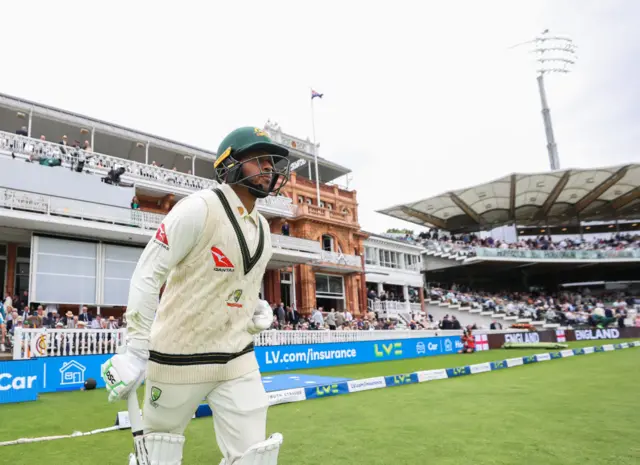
420,97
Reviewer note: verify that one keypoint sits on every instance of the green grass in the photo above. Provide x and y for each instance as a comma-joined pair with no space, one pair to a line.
574,411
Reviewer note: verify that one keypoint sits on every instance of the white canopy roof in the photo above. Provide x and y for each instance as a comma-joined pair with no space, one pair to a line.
538,199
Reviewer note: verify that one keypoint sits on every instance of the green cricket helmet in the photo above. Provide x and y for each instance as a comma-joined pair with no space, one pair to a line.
245,145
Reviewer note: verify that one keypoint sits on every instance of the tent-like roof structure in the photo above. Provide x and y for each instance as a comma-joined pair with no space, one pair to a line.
538,199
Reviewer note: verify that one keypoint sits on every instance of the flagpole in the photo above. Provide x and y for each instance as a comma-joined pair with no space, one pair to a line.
315,149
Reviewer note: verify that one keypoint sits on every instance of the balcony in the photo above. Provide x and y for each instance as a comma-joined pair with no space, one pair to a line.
36,212
324,213
140,174
334,262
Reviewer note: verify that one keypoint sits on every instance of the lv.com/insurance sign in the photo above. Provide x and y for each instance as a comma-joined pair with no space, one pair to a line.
295,357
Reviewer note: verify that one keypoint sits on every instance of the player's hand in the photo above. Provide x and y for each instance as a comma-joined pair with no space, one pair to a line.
262,318
125,371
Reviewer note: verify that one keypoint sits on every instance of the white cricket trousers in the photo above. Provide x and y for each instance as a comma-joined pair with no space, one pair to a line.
239,409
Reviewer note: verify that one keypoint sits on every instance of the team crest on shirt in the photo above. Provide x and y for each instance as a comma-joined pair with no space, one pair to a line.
156,392
222,263
233,298
161,237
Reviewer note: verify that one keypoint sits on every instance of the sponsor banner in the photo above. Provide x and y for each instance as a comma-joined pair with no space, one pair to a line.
296,357
542,357
431,375
608,348
479,368
398,380
389,381
70,373
499,365
514,362
458,371
286,396
567,353
20,381
599,334
366,384
588,350
326,391
522,337
496,341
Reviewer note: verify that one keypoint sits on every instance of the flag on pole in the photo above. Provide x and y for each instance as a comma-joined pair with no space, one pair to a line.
315,94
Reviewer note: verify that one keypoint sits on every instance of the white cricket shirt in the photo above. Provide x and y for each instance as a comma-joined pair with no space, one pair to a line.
212,254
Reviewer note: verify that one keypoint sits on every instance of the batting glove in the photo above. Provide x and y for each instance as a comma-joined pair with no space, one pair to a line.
124,372
262,318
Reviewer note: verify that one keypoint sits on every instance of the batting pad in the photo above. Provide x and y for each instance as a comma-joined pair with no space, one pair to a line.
163,448
262,453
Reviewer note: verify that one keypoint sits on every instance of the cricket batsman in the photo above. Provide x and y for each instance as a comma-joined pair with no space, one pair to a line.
211,250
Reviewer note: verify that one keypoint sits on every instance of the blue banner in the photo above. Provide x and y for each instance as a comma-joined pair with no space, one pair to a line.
23,380
296,357
20,381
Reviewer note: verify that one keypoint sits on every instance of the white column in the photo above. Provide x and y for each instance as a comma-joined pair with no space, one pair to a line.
146,154
193,165
293,287
93,139
405,292
380,288
30,121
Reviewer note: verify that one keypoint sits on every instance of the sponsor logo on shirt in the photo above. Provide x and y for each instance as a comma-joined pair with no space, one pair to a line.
161,237
221,261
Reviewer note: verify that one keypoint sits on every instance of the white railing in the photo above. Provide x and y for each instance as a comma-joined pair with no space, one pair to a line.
77,209
273,337
31,342
341,259
393,307
99,162
278,202
295,243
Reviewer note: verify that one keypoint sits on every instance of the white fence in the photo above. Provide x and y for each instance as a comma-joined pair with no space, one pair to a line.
393,307
29,342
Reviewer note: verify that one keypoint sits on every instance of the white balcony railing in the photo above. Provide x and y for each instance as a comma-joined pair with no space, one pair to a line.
32,342
341,259
295,243
393,307
100,164
78,209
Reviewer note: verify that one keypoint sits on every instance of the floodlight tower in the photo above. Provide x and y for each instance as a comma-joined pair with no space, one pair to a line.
554,54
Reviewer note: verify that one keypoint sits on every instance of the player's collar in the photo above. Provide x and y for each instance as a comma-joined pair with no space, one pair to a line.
238,207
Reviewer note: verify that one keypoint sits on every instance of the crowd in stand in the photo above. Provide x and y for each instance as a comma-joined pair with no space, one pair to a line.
573,309
15,312
469,241
288,319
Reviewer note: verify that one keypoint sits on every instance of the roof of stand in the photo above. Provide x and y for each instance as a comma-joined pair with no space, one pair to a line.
531,199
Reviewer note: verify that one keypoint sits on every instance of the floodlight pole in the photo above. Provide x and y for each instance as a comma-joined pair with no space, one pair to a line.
554,54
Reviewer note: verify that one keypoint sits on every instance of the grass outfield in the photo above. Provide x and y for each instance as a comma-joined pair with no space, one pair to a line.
572,411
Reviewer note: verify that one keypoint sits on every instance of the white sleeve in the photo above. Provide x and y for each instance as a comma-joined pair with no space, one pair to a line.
175,238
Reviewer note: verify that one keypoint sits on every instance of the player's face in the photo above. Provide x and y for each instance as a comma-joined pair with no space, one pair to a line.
259,169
